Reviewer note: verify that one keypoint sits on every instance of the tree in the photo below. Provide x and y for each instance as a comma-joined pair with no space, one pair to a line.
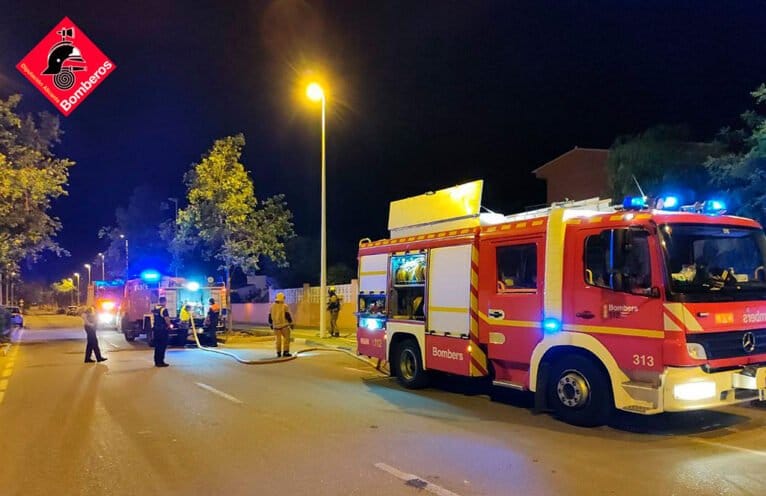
141,221
663,159
741,170
63,288
31,177
340,273
225,216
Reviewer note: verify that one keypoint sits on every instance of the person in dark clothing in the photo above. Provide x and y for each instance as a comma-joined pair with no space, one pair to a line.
89,322
160,329
213,316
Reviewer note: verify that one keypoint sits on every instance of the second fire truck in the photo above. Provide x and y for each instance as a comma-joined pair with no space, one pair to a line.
642,307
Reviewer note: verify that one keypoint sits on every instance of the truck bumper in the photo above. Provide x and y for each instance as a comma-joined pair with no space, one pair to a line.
692,388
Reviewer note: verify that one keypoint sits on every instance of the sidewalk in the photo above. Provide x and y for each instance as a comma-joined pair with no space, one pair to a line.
245,333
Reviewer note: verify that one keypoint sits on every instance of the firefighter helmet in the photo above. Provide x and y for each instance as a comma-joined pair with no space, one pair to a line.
280,297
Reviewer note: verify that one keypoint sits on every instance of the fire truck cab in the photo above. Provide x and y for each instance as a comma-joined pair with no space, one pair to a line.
590,306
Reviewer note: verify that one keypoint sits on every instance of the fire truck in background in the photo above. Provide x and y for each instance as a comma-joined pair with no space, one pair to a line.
107,300
142,294
646,307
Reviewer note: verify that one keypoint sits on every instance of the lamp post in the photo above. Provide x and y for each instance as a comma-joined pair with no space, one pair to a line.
175,229
103,275
77,287
127,271
315,92
87,266
71,299
10,299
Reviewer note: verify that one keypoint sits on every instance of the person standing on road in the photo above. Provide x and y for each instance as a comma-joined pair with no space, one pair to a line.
333,305
280,320
90,323
160,329
213,315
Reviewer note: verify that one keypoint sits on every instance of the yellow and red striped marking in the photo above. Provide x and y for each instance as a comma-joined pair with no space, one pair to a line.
478,357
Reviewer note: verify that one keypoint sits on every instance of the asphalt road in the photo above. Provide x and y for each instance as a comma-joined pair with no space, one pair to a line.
326,424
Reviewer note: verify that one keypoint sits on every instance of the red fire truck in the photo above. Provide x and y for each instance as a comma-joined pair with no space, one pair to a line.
143,293
644,307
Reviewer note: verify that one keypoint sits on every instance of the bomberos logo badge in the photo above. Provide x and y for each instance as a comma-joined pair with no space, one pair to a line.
66,66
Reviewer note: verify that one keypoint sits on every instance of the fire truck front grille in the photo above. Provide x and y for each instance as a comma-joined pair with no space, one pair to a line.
730,344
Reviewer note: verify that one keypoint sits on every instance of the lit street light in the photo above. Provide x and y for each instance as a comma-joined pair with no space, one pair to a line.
127,270
315,92
77,288
103,276
87,266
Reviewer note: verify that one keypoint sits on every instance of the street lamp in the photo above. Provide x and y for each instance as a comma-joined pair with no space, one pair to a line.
315,93
87,266
77,276
103,276
175,229
127,271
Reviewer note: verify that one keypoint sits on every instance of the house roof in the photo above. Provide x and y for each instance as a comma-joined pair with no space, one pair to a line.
587,153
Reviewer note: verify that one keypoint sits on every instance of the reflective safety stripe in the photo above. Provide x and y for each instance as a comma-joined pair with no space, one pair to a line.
508,323
621,331
448,309
373,273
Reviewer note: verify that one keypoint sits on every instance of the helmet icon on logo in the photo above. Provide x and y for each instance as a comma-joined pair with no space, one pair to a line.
64,58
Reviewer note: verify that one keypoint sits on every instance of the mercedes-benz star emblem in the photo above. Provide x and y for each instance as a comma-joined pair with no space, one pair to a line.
748,342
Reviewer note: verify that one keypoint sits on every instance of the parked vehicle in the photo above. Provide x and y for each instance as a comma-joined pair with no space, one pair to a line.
17,319
643,307
73,310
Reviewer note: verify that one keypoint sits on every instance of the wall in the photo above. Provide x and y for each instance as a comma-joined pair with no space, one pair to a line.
304,307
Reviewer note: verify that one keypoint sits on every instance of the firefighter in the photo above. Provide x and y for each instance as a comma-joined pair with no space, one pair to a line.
160,329
213,315
280,320
333,305
184,318
89,323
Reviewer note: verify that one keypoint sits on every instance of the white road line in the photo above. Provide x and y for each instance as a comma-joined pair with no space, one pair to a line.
219,393
415,481
113,345
729,447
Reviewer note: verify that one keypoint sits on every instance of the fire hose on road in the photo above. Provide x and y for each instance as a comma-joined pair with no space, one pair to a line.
267,361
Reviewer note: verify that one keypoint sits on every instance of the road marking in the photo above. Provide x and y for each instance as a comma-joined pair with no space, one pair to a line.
729,447
113,345
3,384
415,481
219,393
7,372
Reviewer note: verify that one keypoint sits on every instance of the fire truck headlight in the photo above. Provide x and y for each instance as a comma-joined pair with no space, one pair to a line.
551,325
696,351
694,391
105,318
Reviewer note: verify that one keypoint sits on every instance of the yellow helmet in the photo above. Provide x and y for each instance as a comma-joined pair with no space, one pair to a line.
332,288
280,297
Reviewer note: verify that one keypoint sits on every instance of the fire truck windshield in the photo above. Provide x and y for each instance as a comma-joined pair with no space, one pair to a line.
714,263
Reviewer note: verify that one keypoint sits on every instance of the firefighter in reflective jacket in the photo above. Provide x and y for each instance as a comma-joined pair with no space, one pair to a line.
280,320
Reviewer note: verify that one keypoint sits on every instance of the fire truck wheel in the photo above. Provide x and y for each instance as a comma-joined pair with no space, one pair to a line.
409,365
579,392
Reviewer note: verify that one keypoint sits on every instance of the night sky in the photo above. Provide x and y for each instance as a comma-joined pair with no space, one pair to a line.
422,95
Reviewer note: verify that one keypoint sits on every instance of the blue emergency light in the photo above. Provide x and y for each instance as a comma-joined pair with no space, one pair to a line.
668,203
192,286
150,275
551,325
713,207
634,202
